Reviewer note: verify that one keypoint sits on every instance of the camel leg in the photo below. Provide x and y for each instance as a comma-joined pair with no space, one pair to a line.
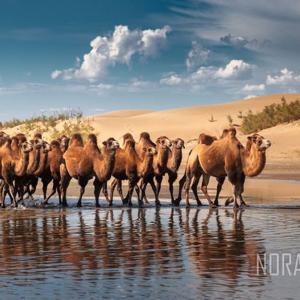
158,185
195,189
54,189
2,195
105,191
172,179
143,186
157,202
187,189
120,190
65,181
13,193
112,189
97,190
220,181
181,184
137,190
82,182
132,183
204,185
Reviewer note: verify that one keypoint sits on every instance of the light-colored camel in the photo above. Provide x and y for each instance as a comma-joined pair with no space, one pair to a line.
193,171
160,168
14,158
228,157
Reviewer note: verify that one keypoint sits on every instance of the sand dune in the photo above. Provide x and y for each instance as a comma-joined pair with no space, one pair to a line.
189,122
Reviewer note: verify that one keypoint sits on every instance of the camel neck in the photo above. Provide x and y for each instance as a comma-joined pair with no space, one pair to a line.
162,156
105,165
42,164
22,164
175,159
36,155
253,161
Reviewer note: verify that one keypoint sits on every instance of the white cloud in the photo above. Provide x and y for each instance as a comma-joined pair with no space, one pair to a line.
235,69
172,79
254,87
197,56
119,48
284,77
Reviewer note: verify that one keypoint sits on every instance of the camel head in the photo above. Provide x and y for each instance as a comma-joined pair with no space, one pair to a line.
111,144
258,141
149,151
54,145
46,147
178,143
206,139
64,143
92,139
37,143
38,135
76,139
26,147
163,142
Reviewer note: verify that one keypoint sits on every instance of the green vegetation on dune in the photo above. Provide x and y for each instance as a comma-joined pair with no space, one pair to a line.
271,115
56,125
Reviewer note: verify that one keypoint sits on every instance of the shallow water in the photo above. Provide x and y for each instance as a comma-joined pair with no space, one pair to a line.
155,253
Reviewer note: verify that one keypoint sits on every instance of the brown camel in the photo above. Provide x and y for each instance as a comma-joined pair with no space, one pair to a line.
173,164
76,164
83,162
40,171
193,171
52,172
228,157
14,157
160,162
130,166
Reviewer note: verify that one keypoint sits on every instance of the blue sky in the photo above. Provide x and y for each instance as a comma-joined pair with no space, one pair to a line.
108,55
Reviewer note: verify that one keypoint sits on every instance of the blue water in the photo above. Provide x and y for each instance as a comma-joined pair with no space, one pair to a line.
154,253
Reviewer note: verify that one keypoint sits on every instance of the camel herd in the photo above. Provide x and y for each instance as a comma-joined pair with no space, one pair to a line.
24,161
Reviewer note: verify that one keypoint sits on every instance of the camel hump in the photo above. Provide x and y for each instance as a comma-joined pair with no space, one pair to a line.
37,135
231,132
206,139
92,138
76,139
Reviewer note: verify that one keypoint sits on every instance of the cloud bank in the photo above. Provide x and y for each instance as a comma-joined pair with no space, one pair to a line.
119,48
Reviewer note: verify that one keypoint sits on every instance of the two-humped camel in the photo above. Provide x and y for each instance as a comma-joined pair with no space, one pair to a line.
228,157
83,162
130,166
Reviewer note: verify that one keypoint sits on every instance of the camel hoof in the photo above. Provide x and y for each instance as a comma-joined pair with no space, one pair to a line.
199,203
97,205
141,204
130,204
157,203
228,201
78,205
110,203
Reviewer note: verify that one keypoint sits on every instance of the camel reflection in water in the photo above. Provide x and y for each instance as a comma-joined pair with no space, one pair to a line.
130,243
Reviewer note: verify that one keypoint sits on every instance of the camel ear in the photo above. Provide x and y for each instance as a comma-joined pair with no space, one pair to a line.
144,149
104,143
